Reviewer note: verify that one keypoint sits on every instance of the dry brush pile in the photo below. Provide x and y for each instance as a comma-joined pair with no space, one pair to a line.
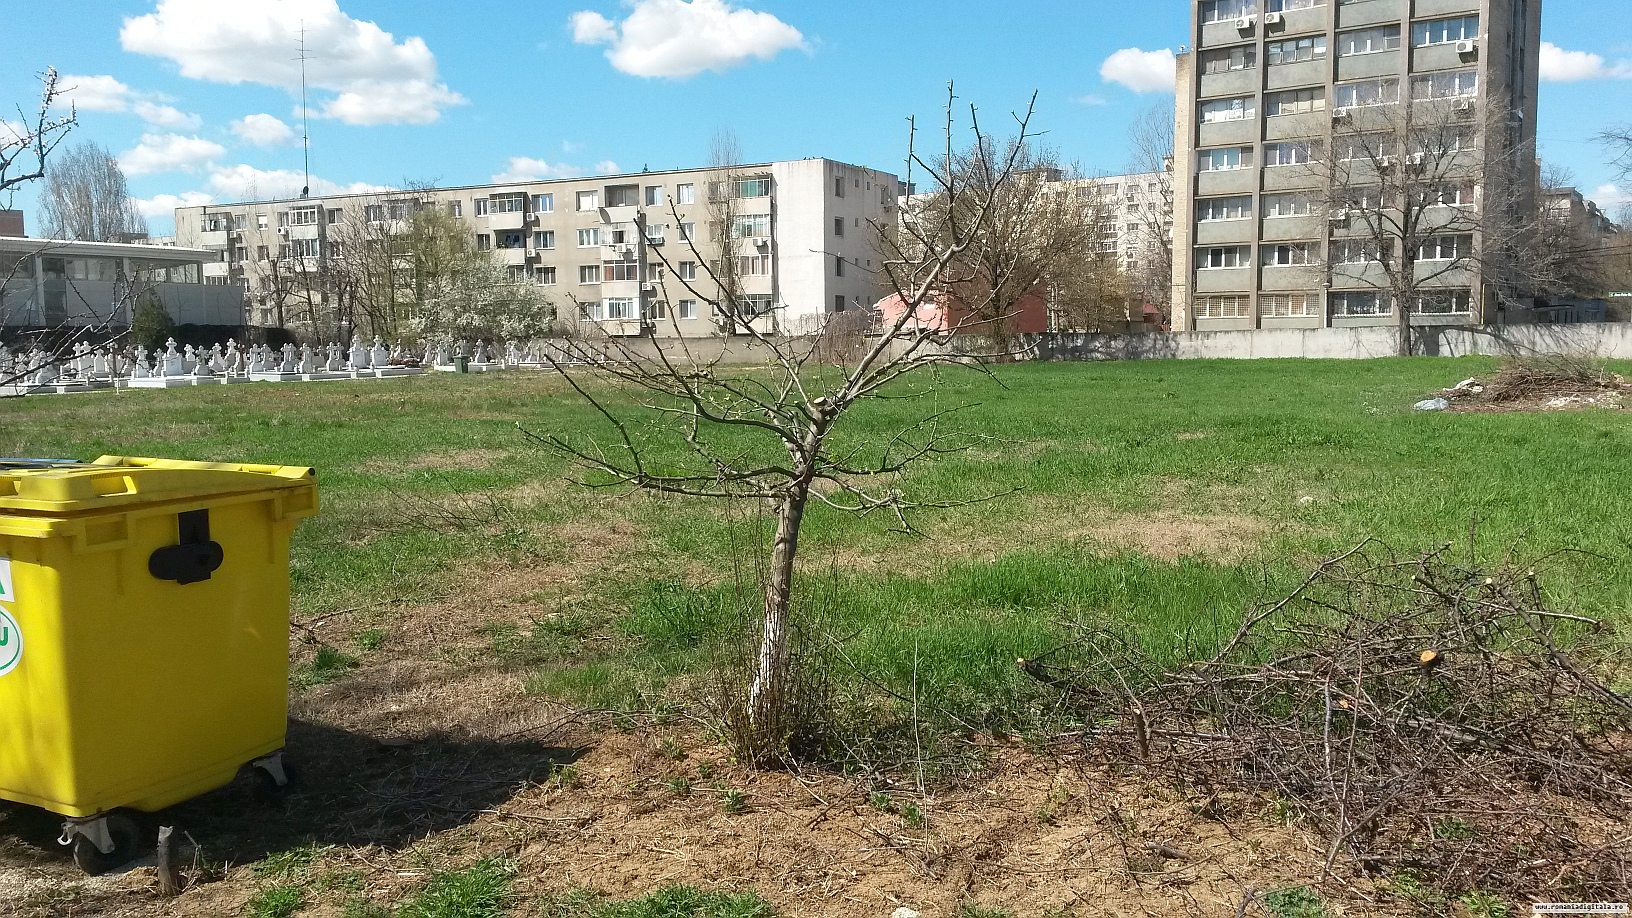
1426,715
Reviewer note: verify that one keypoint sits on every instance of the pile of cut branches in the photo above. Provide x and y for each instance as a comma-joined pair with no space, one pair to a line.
1544,382
1426,715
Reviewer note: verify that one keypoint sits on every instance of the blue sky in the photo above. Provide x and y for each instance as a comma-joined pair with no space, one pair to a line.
196,97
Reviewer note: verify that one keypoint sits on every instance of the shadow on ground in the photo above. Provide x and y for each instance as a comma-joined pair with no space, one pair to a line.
349,790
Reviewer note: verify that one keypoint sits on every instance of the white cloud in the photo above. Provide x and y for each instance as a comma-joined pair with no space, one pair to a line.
1090,99
526,169
169,153
166,116
606,167
263,130
1610,197
1561,66
568,146
1140,70
375,79
163,206
97,93
682,38
246,183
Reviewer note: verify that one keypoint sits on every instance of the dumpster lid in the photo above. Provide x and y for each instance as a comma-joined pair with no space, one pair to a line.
64,486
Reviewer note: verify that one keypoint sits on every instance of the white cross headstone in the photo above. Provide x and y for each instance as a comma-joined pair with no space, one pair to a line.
380,356
306,363
288,365
172,359
359,353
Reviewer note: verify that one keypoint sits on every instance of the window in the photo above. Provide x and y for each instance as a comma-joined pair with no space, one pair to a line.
754,304
838,226
655,272
654,195
838,302
591,311
1366,92
1354,251
589,200
1294,102
1447,195
589,238
1224,60
1442,141
838,266
685,194
621,271
1287,205
751,225
1445,31
655,232
545,275
510,240
620,307
687,270
1293,50
543,203
1445,248
688,232
1227,256
659,310
544,239
303,248
509,203
1363,199
589,275
260,221
1220,110
1361,303
516,274
622,196
303,216
1222,307
1288,254
1363,147
752,188
456,208
1292,153
1237,208
1286,305
688,309
1368,41
1454,84
1281,6
261,253
1443,303
483,242
1225,159
1227,10
838,186
481,207
755,266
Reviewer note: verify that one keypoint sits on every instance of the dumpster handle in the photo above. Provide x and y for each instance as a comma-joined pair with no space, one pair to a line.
195,558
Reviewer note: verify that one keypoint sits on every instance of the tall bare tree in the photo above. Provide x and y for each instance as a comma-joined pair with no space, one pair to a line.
25,145
775,434
86,198
1151,279
725,159
1619,141
1422,197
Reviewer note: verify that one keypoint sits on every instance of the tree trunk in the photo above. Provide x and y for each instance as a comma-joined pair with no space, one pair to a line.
768,695
1403,324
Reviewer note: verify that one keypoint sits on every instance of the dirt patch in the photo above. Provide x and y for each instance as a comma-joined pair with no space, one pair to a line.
440,461
1542,384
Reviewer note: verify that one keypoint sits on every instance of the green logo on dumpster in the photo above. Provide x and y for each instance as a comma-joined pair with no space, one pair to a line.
11,643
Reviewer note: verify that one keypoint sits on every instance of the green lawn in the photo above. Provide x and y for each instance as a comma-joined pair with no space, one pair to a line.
1167,495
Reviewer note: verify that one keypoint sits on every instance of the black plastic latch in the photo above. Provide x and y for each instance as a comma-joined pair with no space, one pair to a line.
195,559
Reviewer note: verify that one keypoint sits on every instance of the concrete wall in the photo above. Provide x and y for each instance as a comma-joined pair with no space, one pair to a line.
1608,341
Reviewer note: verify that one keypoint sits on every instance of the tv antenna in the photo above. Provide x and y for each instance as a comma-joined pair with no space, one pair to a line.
305,116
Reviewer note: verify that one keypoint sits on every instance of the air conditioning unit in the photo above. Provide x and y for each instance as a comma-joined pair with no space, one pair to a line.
532,253
1385,164
283,231
1272,19
1244,23
1466,47
1340,218
1340,114
762,242
1416,159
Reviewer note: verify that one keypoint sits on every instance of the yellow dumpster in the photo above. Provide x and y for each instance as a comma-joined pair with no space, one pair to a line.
144,622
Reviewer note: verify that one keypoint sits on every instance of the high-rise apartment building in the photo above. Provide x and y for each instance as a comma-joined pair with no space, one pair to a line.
1280,101
618,251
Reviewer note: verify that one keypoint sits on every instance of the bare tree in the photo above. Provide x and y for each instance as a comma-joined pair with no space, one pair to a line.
1151,280
1422,198
725,161
771,433
86,198
25,145
1619,141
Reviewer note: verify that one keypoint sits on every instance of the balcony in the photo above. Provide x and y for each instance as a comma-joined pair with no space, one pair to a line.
1372,12
1367,66
511,220
1221,232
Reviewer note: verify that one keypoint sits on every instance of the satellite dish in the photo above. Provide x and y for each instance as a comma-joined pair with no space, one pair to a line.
305,190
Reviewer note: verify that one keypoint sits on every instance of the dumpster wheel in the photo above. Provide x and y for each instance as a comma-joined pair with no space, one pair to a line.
123,838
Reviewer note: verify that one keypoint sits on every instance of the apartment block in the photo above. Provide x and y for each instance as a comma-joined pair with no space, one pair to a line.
1271,99
618,251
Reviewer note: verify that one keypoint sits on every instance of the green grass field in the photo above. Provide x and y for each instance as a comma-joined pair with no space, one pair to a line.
1164,495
